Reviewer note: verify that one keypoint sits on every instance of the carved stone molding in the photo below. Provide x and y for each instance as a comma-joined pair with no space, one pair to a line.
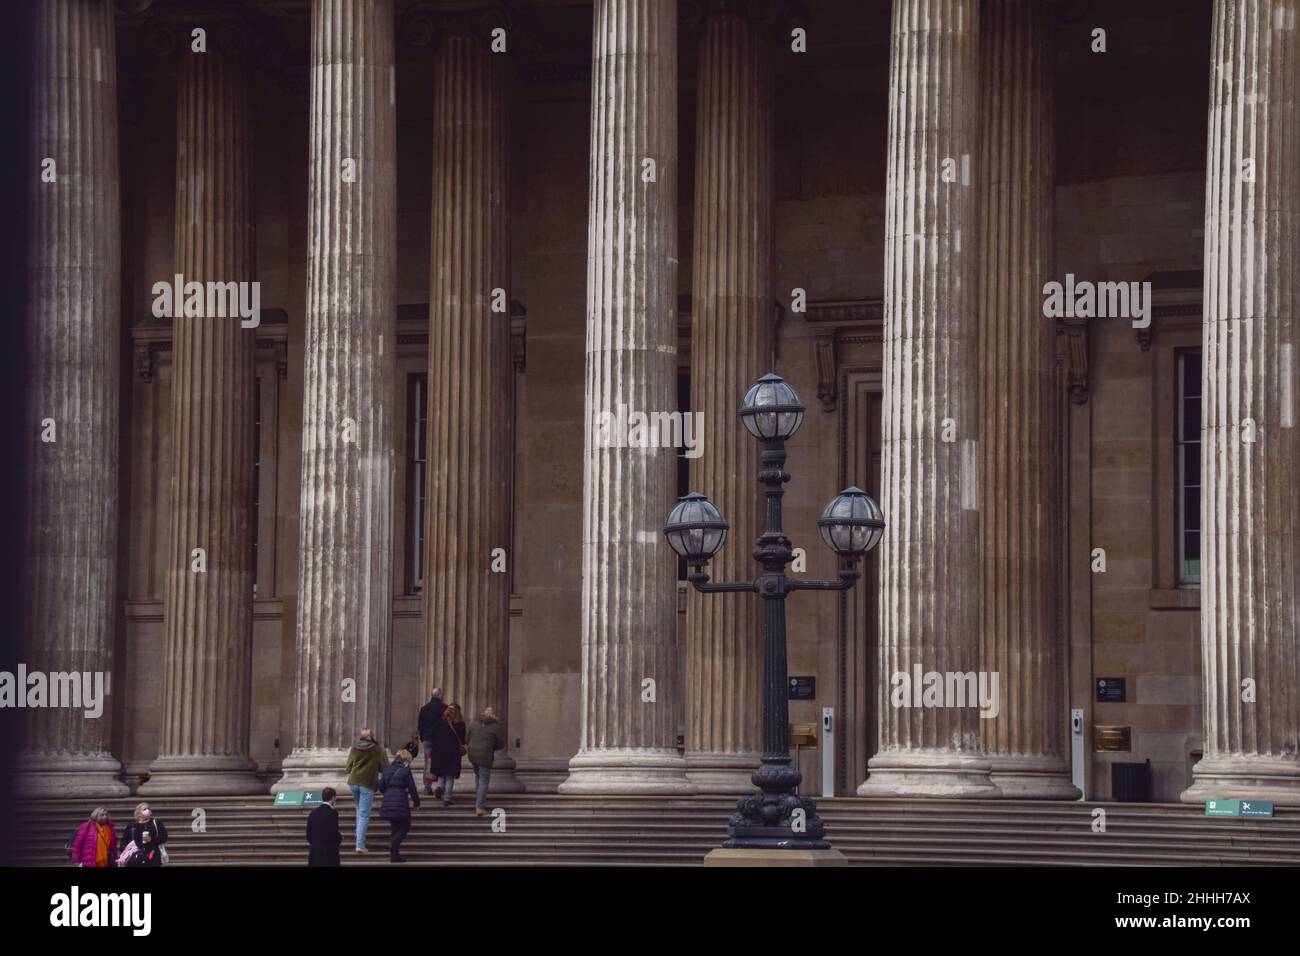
835,323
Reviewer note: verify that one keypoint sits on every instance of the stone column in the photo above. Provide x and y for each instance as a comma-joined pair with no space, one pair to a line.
345,579
730,349
1020,639
1250,493
466,587
628,571
929,579
73,328
208,613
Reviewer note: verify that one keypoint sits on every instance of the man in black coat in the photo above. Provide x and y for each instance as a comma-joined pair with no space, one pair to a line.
323,836
430,718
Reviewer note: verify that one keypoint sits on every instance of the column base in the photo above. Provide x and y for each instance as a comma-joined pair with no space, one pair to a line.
45,774
541,774
314,769
725,857
716,772
504,777
929,773
627,771
1032,777
195,774
1232,777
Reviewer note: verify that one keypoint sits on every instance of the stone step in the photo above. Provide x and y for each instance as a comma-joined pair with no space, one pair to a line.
551,830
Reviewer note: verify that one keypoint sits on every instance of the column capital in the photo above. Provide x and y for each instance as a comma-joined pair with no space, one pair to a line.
426,25
154,38
780,15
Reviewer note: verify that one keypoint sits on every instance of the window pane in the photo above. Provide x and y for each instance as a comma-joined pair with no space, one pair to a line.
1192,465
1192,374
1189,466
1192,509
1192,419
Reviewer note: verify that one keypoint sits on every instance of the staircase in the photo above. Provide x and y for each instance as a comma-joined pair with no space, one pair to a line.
552,830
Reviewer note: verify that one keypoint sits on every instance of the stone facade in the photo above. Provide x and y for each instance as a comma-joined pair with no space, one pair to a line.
585,606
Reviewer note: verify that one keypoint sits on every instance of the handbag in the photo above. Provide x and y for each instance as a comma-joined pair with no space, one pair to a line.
127,855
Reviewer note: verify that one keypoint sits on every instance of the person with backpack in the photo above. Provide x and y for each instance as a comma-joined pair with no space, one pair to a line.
399,791
486,736
96,841
148,836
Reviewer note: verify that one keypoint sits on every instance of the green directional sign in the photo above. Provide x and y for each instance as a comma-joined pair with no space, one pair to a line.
298,798
1256,808
1223,808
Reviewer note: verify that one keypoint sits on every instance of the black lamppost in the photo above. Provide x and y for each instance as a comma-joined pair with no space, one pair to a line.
851,525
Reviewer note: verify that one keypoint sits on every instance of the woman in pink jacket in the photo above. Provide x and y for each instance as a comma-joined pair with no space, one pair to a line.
96,842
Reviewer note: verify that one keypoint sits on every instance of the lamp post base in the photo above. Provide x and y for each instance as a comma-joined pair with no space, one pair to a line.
728,856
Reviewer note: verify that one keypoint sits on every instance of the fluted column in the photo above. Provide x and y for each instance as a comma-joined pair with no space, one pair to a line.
929,591
466,589
345,580
208,613
1019,519
1250,447
628,571
72,412
730,349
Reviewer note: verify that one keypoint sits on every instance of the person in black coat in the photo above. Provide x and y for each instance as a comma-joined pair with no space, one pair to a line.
323,836
148,835
430,718
398,787
447,747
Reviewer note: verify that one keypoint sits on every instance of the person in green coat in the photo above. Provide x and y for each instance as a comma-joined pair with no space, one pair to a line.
366,761
485,737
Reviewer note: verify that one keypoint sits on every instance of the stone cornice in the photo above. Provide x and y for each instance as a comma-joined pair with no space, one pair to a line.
153,336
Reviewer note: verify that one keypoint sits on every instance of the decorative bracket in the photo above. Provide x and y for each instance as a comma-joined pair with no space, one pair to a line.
1076,331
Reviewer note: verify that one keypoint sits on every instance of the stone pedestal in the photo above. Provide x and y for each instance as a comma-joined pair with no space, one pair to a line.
730,348
1250,443
929,592
208,613
629,656
345,555
71,497
466,587
1020,638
